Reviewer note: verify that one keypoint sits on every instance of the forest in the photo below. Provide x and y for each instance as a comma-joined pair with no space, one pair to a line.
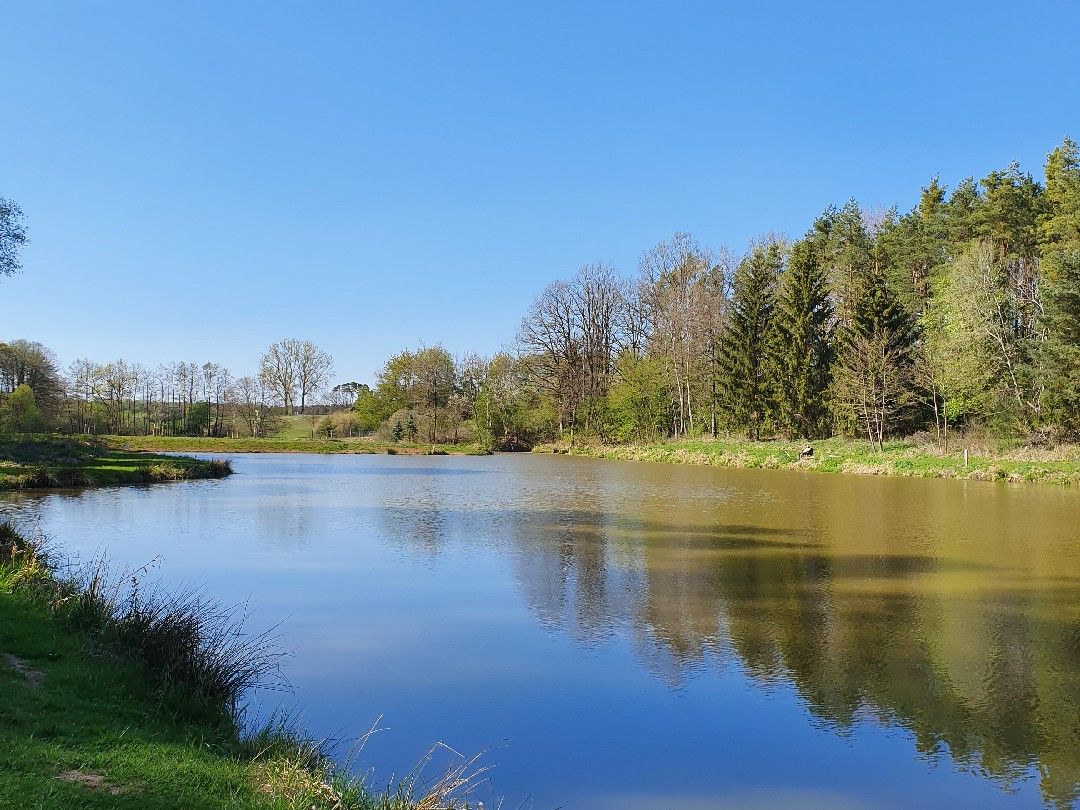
960,314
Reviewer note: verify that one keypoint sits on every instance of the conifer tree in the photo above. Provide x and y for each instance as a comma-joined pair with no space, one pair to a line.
1061,351
746,350
804,346
1060,235
844,248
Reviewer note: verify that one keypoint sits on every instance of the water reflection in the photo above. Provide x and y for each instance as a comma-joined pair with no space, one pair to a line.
950,611
878,611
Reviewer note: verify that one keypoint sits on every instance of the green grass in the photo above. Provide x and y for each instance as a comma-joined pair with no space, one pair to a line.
295,428
900,458
28,462
204,444
99,716
89,718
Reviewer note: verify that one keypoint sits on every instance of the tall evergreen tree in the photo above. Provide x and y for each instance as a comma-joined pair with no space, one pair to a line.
844,248
1060,365
1060,235
804,347
1059,229
912,246
961,212
748,338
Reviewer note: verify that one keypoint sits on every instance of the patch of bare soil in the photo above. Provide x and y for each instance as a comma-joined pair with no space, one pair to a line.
90,781
34,677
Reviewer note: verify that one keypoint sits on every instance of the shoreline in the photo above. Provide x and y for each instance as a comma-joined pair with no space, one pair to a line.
901,458
357,446
69,463
112,696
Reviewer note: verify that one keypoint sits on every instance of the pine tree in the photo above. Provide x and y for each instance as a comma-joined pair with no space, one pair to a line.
1061,352
397,432
844,249
961,212
804,345
1060,226
411,430
1060,235
746,371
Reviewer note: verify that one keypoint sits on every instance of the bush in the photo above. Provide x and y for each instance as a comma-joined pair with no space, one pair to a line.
339,424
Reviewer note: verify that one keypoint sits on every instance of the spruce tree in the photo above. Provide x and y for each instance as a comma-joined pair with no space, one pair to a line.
397,432
1061,353
804,347
746,350
844,247
1060,236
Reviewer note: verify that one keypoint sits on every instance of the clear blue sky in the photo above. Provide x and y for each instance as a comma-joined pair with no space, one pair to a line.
201,179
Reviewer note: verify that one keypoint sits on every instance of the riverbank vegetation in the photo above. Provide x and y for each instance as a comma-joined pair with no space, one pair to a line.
359,445
114,697
906,458
958,316
30,462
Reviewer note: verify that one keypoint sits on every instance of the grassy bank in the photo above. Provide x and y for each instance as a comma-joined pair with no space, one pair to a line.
49,461
204,444
110,698
902,458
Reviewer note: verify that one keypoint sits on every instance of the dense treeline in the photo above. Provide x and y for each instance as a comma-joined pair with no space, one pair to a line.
962,312
184,398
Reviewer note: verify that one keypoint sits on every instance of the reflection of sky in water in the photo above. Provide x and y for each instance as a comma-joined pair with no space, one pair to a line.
645,636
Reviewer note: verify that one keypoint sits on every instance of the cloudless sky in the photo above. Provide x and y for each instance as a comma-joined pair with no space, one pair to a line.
201,179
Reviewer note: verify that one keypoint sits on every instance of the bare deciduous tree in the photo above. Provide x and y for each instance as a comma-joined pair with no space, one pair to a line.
312,367
277,371
295,369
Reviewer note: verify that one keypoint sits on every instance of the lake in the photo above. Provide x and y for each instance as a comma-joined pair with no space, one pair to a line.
642,636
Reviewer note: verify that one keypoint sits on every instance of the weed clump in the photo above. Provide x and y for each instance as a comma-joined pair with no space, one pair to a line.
189,645
219,467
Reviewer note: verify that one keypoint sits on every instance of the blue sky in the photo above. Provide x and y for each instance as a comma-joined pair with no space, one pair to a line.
203,179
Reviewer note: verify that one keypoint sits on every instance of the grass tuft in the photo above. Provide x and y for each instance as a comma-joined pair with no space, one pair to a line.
188,644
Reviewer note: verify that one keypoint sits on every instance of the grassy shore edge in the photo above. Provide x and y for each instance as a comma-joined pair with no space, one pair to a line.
113,699
39,462
358,446
899,458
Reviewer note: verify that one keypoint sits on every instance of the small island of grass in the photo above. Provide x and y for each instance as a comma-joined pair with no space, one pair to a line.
33,462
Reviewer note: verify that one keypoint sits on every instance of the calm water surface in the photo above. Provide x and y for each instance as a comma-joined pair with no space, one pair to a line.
633,636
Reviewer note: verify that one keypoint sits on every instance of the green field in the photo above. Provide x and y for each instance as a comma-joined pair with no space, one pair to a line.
903,458
50,461
67,711
295,427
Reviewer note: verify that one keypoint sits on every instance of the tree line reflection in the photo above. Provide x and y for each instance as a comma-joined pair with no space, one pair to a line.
975,651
